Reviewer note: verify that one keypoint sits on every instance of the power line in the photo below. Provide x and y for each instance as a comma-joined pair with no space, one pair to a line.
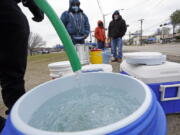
156,24
138,4
151,9
100,8
135,6
159,3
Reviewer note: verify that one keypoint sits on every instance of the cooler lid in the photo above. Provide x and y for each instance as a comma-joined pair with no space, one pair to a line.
59,64
167,72
147,58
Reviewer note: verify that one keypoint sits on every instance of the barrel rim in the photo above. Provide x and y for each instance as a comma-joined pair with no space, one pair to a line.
28,130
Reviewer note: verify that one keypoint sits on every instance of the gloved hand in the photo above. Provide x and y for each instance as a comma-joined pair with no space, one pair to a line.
37,13
38,18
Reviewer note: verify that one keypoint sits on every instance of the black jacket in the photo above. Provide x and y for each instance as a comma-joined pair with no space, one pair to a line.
117,28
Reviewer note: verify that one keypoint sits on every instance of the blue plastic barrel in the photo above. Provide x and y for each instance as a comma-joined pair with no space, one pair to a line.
148,119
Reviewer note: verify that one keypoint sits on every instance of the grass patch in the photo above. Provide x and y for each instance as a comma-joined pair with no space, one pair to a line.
48,57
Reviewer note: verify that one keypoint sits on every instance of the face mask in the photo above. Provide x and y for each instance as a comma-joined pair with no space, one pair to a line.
100,24
75,8
116,17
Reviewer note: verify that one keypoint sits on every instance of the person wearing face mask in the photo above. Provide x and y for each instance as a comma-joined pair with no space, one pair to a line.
76,22
116,30
14,34
100,35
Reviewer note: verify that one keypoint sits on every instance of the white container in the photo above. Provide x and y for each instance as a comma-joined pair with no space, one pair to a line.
97,68
59,69
145,58
167,72
83,53
164,81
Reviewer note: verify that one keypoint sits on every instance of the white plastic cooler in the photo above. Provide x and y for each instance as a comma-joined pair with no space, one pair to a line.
163,79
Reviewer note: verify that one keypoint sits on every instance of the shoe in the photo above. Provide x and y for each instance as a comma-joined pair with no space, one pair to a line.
113,59
119,60
2,123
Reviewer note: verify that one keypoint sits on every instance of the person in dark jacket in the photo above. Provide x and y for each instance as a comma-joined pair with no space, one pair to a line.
14,34
100,35
76,22
117,29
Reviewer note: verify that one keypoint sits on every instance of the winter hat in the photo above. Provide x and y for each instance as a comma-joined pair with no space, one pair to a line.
116,12
71,2
100,23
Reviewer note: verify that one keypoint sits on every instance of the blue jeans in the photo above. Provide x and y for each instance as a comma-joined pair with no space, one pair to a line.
100,45
116,44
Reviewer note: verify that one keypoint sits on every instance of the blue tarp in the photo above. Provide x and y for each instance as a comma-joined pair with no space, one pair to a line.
151,39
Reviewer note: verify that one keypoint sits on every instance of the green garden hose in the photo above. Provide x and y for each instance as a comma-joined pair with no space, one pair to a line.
62,32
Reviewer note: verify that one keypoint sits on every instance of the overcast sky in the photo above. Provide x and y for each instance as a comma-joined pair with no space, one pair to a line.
154,13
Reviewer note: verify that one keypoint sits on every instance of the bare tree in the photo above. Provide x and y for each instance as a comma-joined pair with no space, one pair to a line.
35,41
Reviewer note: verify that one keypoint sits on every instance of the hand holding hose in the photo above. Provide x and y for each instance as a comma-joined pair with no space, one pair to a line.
37,13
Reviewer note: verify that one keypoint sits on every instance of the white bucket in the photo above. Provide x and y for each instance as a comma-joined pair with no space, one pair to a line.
83,53
59,69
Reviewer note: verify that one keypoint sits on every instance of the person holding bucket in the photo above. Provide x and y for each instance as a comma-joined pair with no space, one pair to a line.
13,49
117,29
100,35
76,22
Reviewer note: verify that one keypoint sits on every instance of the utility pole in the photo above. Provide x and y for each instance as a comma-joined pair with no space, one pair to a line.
129,38
104,21
91,36
163,32
141,21
173,31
